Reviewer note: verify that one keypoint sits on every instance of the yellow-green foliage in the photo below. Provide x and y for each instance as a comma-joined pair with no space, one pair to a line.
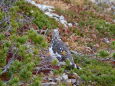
39,18
21,70
103,53
95,72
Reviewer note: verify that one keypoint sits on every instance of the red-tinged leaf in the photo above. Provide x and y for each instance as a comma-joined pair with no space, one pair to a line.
24,84
45,71
112,39
113,62
35,27
55,67
4,77
74,38
9,56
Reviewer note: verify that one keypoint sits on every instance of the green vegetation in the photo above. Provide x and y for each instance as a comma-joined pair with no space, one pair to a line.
39,18
20,43
113,55
103,53
95,72
15,45
113,45
87,18
25,10
101,25
26,61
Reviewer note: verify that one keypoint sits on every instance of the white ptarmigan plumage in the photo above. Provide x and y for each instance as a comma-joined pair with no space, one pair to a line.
58,50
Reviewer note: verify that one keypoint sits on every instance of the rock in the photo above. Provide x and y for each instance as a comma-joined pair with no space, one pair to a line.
51,79
58,79
76,24
103,1
64,77
61,63
49,84
110,3
114,20
70,24
49,11
73,81
106,40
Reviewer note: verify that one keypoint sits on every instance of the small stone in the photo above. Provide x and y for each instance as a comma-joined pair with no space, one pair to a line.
58,79
73,81
61,63
49,84
106,40
114,20
70,24
64,77
50,79
76,24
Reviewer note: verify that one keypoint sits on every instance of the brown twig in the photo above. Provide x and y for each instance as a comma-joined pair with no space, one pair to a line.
9,63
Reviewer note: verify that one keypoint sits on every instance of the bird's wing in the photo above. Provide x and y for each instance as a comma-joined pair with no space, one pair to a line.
60,48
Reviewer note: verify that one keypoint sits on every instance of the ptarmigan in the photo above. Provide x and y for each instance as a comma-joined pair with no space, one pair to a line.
58,49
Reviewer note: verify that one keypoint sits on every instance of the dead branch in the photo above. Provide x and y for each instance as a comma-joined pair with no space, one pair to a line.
5,69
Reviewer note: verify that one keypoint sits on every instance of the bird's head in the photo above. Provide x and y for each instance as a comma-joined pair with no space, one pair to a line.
56,34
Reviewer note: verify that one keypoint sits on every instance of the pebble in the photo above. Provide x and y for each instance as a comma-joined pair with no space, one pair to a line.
64,77
49,84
